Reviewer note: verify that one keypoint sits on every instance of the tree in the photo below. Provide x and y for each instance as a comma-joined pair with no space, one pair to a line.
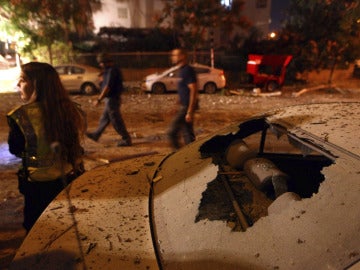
45,22
322,33
194,21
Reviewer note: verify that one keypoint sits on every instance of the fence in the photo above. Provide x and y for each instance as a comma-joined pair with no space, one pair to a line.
136,65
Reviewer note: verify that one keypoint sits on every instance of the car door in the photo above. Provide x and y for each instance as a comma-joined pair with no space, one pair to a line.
171,80
74,77
70,76
203,76
63,71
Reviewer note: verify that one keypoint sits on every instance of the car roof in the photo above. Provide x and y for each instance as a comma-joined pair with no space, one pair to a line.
87,67
307,234
332,124
194,65
198,65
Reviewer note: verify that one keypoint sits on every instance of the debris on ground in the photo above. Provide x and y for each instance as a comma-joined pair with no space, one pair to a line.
328,87
256,93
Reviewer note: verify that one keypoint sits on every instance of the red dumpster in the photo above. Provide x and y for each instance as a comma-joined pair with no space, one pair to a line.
268,71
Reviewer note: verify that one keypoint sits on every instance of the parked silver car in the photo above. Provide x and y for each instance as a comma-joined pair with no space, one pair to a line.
278,191
79,78
209,80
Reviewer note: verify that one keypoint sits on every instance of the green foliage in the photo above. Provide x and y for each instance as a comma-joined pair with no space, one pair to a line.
322,33
45,22
61,53
193,21
117,39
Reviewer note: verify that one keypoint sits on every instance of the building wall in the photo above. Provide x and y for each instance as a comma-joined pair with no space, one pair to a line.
113,13
259,13
127,13
141,13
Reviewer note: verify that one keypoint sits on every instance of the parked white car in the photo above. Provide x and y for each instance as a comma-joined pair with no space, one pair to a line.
278,191
209,80
79,78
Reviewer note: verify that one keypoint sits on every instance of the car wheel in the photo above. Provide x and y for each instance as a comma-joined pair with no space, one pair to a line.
271,86
210,88
88,89
158,88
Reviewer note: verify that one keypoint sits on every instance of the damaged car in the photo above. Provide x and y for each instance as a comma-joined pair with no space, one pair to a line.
278,191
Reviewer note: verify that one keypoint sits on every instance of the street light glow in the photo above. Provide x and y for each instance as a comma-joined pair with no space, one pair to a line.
272,35
8,79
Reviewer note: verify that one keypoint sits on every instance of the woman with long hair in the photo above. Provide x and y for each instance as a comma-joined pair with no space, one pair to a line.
45,132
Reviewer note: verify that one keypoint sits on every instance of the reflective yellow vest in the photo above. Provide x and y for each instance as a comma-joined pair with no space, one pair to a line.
40,161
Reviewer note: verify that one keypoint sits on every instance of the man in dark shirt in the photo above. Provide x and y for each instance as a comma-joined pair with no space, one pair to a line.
111,89
188,100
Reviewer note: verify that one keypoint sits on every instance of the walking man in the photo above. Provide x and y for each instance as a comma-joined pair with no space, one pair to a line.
188,101
111,89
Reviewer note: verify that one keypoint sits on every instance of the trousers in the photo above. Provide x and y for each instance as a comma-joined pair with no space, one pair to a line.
178,126
38,195
111,114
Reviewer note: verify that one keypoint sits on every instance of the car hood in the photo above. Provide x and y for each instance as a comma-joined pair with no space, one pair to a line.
110,205
157,75
152,77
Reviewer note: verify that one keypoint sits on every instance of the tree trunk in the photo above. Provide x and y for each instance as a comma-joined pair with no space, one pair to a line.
194,55
50,53
332,69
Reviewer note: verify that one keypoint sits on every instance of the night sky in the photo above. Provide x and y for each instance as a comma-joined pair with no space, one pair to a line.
278,8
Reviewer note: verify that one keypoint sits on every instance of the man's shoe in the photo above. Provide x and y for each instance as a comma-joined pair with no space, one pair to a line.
92,136
124,143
